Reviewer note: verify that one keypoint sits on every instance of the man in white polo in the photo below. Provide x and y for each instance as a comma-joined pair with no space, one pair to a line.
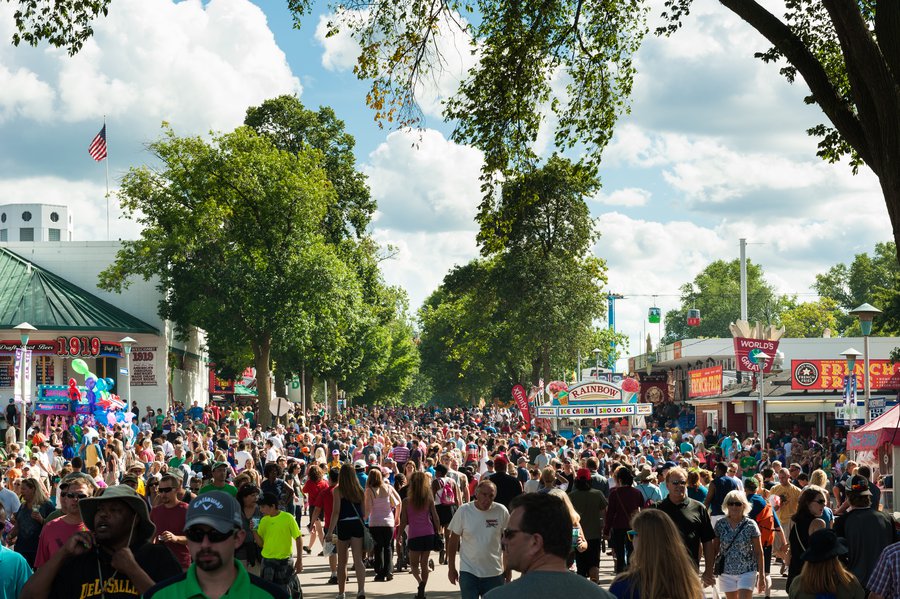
479,525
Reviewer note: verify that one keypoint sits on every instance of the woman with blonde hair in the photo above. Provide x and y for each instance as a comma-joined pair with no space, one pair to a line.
419,513
658,569
29,520
738,544
346,517
823,574
381,504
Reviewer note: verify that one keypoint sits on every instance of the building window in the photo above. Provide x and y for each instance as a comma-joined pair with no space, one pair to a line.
4,235
26,234
54,234
26,216
54,217
3,218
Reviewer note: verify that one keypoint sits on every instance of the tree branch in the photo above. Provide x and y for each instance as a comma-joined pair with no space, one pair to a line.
838,111
870,80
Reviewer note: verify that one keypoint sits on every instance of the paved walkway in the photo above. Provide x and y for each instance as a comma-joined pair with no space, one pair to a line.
315,575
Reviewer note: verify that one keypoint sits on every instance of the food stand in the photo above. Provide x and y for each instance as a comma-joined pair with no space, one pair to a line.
567,409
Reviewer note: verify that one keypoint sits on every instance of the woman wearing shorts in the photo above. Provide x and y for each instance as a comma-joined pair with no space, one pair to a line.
418,512
737,538
346,517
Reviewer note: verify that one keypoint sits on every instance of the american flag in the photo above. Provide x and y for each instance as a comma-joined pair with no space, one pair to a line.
97,149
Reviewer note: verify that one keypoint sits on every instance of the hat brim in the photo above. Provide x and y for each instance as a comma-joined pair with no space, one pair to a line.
145,527
216,523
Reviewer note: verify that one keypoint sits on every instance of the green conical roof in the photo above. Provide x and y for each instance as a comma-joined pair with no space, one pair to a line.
36,295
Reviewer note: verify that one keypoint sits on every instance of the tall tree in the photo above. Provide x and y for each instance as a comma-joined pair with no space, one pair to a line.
293,128
716,292
810,319
868,279
231,230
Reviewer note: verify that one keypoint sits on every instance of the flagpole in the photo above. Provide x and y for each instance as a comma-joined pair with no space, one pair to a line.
107,179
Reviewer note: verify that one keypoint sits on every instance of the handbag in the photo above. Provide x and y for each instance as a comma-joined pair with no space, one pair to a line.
719,567
368,541
438,543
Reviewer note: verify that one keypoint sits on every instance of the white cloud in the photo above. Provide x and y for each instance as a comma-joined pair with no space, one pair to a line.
340,51
449,53
424,258
630,196
196,65
424,182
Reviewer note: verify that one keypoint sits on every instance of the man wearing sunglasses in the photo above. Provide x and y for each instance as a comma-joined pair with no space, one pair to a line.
692,520
114,560
73,488
169,517
213,531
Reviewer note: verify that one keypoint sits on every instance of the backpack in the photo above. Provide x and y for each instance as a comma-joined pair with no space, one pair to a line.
766,521
446,494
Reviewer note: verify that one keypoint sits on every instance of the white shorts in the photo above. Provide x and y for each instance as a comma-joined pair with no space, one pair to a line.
729,583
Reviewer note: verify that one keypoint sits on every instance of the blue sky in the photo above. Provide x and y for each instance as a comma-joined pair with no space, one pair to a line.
714,148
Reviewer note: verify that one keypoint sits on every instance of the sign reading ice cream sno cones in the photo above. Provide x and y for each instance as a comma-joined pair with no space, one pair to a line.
594,399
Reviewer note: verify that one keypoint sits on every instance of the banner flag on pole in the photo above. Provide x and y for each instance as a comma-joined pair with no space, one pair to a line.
97,149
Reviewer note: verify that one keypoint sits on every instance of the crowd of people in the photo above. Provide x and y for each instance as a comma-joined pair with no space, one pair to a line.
204,500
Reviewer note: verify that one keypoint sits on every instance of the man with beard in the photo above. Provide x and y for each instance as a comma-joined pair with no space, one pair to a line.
213,530
113,560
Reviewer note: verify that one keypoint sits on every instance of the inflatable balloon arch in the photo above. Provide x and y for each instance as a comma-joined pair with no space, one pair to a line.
106,407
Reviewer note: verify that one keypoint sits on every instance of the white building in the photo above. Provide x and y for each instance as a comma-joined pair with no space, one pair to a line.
35,223
53,286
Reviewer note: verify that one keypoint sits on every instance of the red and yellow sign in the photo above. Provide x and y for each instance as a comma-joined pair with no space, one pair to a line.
828,375
705,382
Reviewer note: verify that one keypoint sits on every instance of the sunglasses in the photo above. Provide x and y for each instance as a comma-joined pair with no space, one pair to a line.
78,496
164,489
735,504
631,534
196,535
509,533
678,483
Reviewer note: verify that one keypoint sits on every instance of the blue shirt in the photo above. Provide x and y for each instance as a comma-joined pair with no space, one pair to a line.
14,572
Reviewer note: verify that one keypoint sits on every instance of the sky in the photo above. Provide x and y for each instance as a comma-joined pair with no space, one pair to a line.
714,148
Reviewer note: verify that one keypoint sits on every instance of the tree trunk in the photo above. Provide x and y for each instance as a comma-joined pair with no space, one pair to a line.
332,398
262,352
536,371
306,380
545,364
890,187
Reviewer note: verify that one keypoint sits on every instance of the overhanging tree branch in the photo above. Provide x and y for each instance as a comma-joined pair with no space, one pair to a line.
833,105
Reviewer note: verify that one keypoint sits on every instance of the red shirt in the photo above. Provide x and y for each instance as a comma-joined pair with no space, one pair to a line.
171,519
312,489
53,536
325,501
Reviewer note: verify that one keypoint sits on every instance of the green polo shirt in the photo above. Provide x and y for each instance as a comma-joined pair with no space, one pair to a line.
186,586
230,489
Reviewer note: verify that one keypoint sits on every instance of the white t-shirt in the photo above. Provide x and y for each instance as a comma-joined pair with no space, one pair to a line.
241,458
480,532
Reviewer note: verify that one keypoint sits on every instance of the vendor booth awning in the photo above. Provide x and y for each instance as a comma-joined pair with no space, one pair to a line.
874,434
29,293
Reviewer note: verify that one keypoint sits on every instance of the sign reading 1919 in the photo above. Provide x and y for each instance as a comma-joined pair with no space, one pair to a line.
78,346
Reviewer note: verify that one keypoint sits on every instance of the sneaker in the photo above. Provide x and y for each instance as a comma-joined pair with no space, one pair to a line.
378,578
332,580
321,554
308,550
341,596
389,577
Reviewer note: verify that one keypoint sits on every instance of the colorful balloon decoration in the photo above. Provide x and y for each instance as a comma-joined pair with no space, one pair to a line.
103,404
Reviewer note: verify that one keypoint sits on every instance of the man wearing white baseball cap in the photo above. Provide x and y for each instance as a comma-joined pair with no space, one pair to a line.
213,530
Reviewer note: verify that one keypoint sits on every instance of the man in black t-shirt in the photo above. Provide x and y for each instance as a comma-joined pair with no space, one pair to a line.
12,413
114,560
691,519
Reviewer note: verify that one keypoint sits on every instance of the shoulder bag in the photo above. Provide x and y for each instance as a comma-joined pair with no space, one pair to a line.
368,541
719,567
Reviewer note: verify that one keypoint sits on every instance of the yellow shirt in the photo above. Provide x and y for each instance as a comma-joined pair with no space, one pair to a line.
790,495
278,534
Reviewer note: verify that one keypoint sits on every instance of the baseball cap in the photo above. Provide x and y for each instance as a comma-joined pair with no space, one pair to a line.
335,452
500,462
219,465
359,465
583,474
858,486
217,509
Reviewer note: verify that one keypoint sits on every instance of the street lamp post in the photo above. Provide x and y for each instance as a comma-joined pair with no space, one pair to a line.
762,358
851,355
25,331
127,343
596,352
866,314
